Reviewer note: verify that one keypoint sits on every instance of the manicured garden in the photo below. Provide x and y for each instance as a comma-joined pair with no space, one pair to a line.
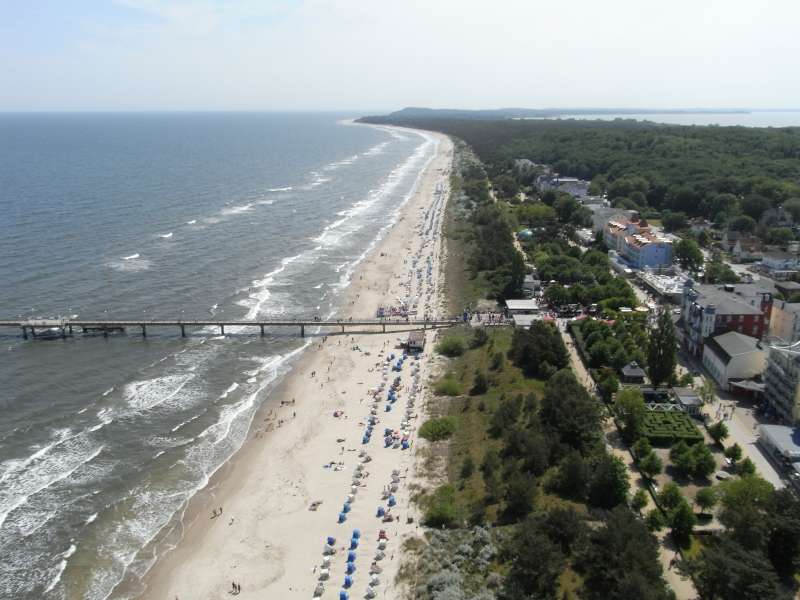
667,428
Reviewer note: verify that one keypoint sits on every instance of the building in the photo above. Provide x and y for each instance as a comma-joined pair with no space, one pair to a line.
416,341
787,288
688,400
785,321
530,285
710,310
668,287
733,356
524,321
522,307
782,383
731,238
699,225
632,373
780,266
637,243
781,441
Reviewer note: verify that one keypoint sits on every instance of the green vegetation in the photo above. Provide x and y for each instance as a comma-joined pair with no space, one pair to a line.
539,351
692,461
437,429
451,346
612,344
525,465
666,428
447,386
662,350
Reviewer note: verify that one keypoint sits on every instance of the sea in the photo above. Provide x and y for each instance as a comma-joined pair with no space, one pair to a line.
103,440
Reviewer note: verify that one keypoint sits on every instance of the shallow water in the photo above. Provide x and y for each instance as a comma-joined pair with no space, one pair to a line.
102,440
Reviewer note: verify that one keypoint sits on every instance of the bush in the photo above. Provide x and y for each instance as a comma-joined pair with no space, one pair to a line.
451,346
655,520
479,338
437,429
442,511
447,387
480,384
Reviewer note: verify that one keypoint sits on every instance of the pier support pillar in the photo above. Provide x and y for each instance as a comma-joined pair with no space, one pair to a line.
144,330
24,332
222,329
384,327
63,333
342,328
33,332
70,329
105,331
262,330
302,331
183,331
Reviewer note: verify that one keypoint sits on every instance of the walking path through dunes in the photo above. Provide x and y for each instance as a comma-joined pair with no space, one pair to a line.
320,442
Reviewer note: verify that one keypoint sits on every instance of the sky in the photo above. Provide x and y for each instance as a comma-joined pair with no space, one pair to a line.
381,55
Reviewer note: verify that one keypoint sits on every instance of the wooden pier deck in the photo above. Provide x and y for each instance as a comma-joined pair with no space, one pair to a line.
65,327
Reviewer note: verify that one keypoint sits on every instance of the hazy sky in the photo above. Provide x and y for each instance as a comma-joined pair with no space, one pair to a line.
382,55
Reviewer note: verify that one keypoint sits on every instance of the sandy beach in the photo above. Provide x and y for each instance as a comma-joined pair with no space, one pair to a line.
267,539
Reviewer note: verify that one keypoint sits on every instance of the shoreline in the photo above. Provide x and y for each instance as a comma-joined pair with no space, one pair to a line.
248,543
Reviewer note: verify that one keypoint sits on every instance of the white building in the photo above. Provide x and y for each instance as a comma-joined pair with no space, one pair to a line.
733,356
522,307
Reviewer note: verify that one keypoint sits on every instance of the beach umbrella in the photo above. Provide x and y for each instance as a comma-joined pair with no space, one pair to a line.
388,407
365,439
392,501
331,540
342,517
405,444
351,556
351,568
356,534
346,507
353,544
381,512
344,595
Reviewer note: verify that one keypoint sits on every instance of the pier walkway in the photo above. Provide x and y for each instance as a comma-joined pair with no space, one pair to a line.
55,328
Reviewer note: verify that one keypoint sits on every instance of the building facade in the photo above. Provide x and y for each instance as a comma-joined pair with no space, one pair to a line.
733,356
785,321
633,239
782,384
710,310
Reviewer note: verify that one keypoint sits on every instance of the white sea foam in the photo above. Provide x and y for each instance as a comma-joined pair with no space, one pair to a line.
231,388
92,518
131,257
165,236
192,222
107,392
60,568
377,149
150,393
288,188
131,263
236,210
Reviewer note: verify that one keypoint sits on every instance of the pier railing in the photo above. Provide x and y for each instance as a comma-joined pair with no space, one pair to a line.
38,328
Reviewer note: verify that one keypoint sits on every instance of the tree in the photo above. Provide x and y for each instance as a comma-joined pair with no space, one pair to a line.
718,431
746,468
688,254
650,465
706,499
733,453
704,463
726,570
609,482
670,497
707,391
570,412
783,545
639,500
744,505
564,526
573,476
480,385
682,458
520,493
630,408
641,448
682,521
621,558
655,520
536,566
662,355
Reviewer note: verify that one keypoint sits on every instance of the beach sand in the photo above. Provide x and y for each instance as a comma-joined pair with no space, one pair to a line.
267,540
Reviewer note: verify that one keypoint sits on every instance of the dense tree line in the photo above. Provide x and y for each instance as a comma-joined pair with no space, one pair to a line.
722,173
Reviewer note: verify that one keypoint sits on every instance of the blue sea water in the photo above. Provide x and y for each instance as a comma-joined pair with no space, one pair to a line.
103,440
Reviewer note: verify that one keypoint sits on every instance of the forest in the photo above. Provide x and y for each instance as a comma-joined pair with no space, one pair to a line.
720,173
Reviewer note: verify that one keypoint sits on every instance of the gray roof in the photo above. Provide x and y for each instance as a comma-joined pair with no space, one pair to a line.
785,439
687,396
788,285
633,369
735,302
731,344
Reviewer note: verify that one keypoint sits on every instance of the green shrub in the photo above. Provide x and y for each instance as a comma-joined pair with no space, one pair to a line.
480,384
442,510
447,387
437,429
451,346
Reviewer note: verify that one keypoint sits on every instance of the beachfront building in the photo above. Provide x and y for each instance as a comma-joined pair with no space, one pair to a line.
733,356
637,243
522,307
782,383
710,310
785,321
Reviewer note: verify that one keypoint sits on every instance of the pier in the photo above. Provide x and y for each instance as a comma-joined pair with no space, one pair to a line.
62,328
